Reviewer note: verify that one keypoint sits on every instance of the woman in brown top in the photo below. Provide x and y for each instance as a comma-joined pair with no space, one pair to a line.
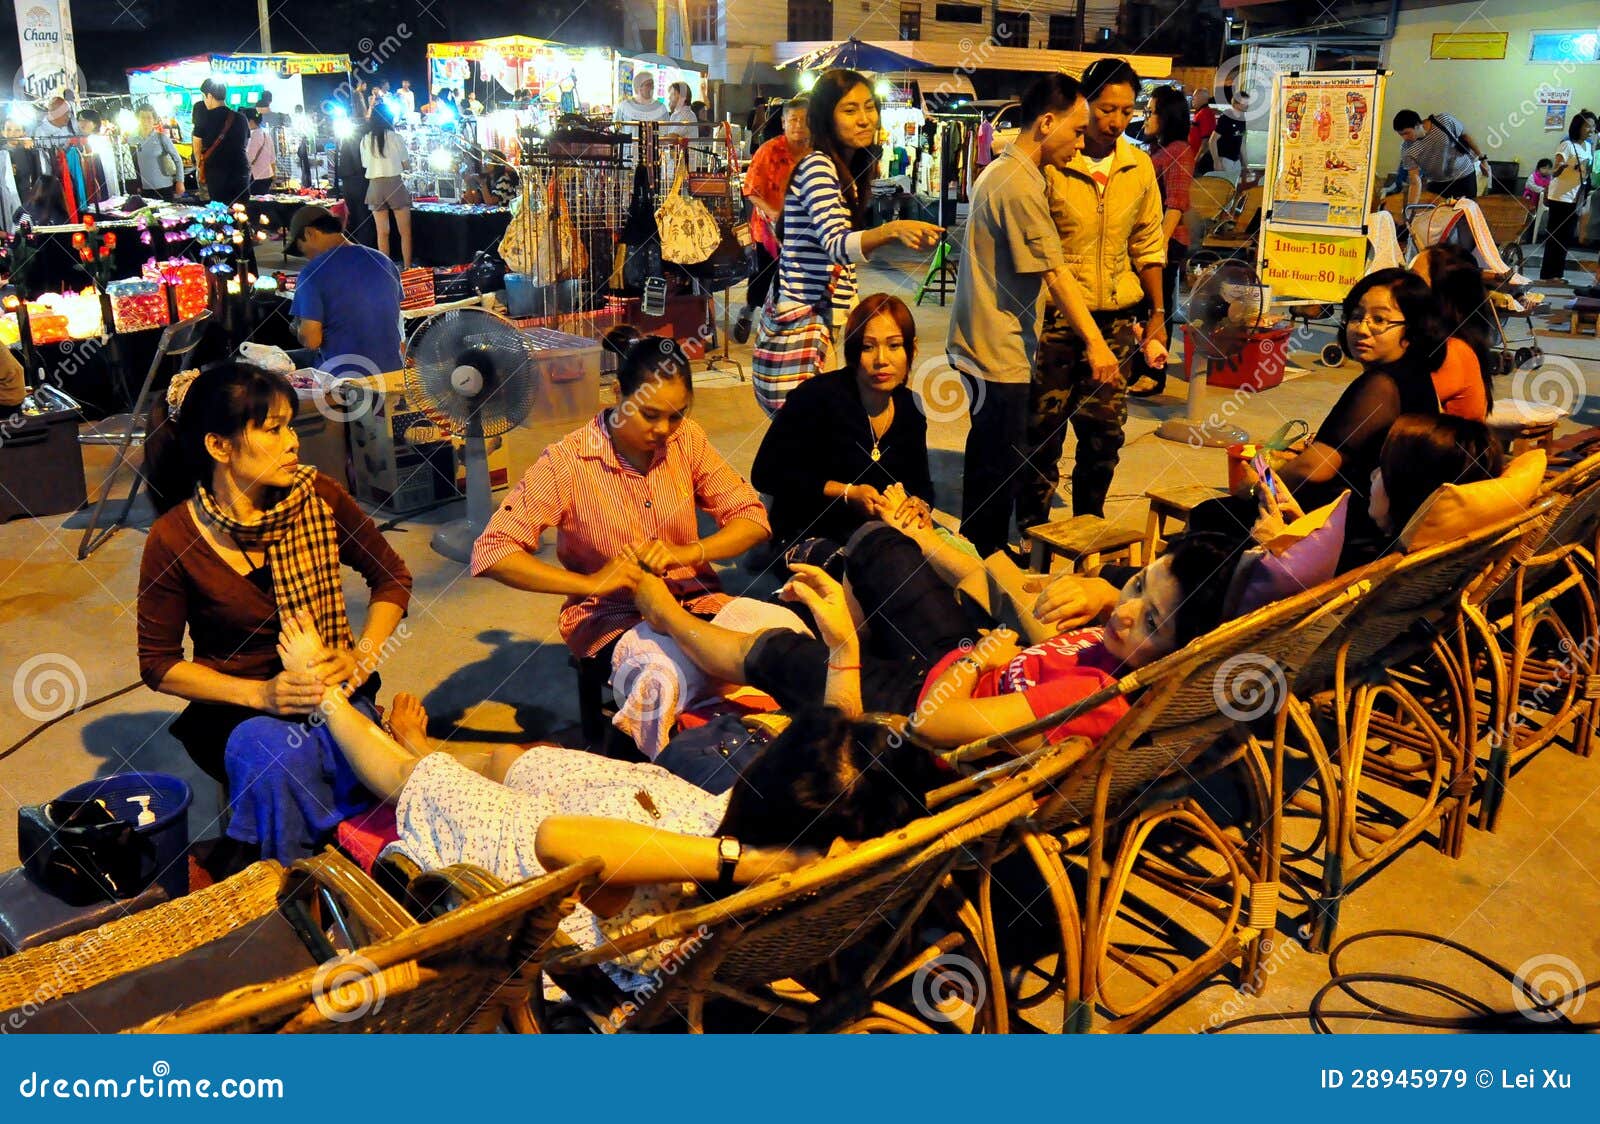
248,534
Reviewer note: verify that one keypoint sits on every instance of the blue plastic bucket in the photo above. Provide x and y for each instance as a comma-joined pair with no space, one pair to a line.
169,800
522,297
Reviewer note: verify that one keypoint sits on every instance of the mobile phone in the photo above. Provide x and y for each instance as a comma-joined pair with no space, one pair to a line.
1259,463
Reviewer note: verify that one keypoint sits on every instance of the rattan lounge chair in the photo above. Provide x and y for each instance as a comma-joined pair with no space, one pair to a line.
467,970
1189,718
1384,712
1540,629
829,946
327,893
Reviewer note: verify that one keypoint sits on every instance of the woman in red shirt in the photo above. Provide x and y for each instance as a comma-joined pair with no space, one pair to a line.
764,183
248,533
1174,164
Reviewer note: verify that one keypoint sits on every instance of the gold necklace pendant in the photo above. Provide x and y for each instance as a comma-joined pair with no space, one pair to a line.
875,453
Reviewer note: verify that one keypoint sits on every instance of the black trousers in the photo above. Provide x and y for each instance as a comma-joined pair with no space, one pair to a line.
997,451
1462,187
761,278
1560,234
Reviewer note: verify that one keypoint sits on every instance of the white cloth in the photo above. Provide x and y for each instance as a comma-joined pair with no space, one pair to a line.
1385,242
656,681
390,162
10,201
449,814
629,109
1564,188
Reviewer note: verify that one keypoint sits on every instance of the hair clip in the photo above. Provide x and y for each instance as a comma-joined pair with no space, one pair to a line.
177,389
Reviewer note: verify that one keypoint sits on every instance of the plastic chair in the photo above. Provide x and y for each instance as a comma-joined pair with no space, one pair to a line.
127,430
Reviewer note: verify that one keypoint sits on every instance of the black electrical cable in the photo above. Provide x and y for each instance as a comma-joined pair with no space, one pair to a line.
42,727
1541,1015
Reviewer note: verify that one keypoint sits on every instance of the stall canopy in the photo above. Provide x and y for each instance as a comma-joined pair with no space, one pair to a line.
566,77
246,76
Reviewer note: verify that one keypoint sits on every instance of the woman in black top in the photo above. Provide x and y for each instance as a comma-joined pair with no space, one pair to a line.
1393,329
844,437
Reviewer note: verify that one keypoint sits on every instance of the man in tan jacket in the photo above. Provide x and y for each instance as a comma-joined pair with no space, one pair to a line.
1107,208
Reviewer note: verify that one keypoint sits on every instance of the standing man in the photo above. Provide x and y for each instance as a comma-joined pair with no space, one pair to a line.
407,96
1107,209
764,183
642,106
1012,254
221,136
1201,129
347,300
1437,150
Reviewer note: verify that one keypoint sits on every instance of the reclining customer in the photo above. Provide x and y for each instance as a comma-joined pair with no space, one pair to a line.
895,638
825,779
249,535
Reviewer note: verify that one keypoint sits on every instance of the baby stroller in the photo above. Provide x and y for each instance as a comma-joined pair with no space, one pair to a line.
1465,223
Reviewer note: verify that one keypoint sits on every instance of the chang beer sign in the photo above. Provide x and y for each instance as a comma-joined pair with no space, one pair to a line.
49,59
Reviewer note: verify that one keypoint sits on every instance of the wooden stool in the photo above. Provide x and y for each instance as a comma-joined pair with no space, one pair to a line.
1174,502
1523,425
1082,541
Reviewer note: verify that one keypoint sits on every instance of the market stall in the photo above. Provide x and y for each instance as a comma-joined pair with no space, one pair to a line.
283,75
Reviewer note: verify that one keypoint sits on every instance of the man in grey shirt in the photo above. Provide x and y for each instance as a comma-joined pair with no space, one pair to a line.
1437,151
1012,255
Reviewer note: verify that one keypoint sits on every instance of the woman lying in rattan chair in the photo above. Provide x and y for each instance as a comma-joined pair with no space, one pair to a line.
823,780
895,637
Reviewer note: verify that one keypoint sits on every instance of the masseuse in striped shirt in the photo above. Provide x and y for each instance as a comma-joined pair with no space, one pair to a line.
825,206
623,493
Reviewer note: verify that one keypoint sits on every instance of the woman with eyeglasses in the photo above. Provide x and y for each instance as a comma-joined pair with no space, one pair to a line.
1392,327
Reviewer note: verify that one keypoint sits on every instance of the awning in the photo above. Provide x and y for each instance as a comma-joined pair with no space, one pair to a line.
950,56
283,65
505,46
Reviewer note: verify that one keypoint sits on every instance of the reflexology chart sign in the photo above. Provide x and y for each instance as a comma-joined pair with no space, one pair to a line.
1321,151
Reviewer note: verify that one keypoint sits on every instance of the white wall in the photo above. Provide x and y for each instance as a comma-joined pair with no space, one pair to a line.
1494,99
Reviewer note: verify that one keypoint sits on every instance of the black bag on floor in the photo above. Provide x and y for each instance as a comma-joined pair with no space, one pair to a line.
81,853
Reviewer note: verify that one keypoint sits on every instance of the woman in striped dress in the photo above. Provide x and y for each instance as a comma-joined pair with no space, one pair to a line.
824,235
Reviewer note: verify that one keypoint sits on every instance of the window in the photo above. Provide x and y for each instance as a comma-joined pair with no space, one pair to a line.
958,13
1063,33
1565,46
703,21
1011,29
810,19
911,19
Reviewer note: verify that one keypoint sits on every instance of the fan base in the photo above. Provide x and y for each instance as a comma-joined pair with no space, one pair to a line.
454,540
1200,435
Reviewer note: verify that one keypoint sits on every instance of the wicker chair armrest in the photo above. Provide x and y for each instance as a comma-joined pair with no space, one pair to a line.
331,891
79,962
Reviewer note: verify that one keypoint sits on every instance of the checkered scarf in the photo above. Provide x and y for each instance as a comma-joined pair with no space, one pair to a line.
302,544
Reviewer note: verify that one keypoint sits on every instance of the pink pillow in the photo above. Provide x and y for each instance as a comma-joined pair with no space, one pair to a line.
1310,558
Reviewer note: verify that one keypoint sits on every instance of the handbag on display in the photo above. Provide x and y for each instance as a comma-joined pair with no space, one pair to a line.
689,232
638,243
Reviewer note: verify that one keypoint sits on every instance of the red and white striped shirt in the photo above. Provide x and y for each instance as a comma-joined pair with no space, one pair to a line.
598,504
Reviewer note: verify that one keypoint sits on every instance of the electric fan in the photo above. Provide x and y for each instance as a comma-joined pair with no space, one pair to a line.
1223,309
473,373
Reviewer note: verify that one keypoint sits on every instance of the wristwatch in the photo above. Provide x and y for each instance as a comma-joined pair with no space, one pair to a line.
729,850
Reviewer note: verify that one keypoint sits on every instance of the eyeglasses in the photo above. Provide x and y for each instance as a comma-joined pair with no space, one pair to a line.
1376,327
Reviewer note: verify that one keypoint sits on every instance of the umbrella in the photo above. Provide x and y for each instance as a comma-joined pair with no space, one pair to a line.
853,54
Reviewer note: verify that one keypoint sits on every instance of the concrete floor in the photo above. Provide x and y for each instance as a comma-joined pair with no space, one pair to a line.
490,667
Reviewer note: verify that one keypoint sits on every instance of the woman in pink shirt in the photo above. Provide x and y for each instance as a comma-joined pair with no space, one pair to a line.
262,154
624,495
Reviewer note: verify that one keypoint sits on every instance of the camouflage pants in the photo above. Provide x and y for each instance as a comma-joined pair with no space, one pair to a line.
1064,392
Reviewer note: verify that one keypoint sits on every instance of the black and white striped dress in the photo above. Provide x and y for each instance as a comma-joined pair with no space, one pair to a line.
817,239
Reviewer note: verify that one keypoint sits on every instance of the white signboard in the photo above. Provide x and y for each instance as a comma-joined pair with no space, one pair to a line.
49,60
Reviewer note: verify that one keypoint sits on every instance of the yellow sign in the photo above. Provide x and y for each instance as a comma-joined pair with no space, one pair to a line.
1314,266
1469,45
